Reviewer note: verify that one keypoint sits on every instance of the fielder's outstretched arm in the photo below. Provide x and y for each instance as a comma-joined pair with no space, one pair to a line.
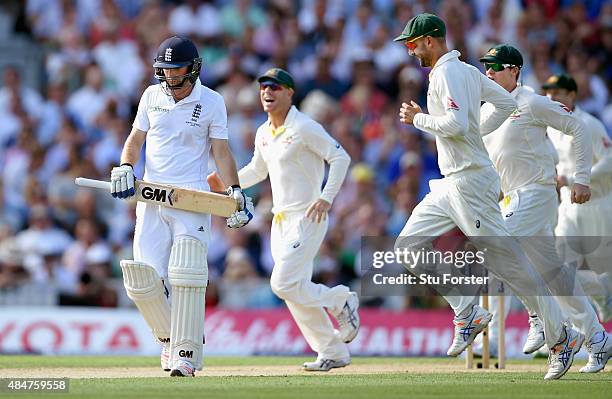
255,172
498,106
556,115
602,152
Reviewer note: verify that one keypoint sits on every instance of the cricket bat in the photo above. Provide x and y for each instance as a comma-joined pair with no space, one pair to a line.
173,197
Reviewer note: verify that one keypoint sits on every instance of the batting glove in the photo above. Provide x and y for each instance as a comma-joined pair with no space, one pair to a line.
122,181
245,211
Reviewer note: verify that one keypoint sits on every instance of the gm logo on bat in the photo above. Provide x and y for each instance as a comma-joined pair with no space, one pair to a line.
157,194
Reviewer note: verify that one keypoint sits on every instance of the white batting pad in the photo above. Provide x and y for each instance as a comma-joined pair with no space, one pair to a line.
188,276
144,286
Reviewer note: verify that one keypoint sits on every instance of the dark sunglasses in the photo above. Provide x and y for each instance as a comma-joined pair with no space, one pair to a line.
273,86
497,67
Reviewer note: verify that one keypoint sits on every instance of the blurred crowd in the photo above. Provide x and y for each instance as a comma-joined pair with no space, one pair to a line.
350,76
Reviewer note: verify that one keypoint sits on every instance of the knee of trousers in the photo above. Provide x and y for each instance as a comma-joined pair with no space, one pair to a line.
188,266
282,289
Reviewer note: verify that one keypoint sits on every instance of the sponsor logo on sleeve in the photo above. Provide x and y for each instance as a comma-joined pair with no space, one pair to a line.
451,104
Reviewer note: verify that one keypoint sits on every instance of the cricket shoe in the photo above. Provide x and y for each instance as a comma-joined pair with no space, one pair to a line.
165,357
466,329
535,336
600,350
561,356
182,368
348,319
326,364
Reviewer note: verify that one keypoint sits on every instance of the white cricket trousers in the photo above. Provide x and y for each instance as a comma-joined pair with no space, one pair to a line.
158,227
295,243
469,200
585,236
530,213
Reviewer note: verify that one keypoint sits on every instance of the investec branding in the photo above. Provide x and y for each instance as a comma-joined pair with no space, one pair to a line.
157,108
157,194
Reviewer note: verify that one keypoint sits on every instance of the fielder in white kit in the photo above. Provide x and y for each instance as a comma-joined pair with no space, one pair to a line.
292,149
585,232
467,196
521,153
181,121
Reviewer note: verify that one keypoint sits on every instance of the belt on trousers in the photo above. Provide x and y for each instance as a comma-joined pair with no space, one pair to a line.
279,217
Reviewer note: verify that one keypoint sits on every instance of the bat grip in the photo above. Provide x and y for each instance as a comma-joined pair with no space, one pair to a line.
84,182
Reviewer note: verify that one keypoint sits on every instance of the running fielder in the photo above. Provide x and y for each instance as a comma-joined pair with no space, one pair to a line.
467,196
521,153
181,121
292,149
593,221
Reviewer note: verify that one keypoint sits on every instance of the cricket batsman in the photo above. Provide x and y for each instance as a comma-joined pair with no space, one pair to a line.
467,196
521,153
181,121
292,149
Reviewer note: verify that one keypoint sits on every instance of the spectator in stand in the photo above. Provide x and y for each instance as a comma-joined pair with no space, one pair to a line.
89,101
12,271
14,89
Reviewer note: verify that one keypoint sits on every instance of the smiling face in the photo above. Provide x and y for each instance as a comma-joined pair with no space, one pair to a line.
274,97
422,49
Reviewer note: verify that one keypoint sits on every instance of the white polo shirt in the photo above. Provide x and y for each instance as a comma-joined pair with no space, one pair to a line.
177,143
601,172
294,156
455,92
520,149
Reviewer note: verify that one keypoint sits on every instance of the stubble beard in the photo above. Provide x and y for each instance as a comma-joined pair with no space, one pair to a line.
425,61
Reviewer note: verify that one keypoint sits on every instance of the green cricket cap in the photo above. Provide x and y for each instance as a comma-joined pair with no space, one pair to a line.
503,54
279,76
422,25
560,81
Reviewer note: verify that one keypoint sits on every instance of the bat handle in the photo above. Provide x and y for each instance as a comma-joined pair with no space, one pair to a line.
84,182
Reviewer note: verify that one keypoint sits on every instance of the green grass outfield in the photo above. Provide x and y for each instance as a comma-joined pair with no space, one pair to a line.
281,377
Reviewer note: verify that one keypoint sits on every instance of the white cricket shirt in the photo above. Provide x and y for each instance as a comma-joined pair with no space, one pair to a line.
455,92
177,143
294,156
520,149
601,172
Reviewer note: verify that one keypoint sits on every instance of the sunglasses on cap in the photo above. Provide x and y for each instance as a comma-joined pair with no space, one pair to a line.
272,85
411,43
497,67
